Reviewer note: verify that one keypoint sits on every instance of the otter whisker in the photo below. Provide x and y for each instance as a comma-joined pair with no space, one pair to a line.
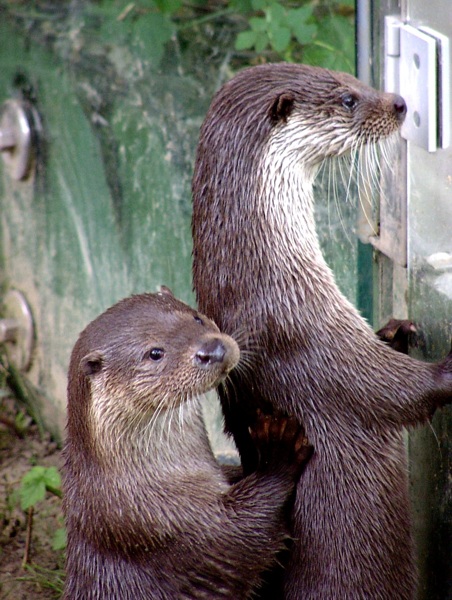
388,152
170,415
156,416
181,415
367,185
125,424
228,389
336,187
246,363
348,172
242,336
248,339
331,188
141,429
347,182
372,171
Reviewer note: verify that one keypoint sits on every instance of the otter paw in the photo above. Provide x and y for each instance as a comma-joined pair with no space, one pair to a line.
398,334
280,440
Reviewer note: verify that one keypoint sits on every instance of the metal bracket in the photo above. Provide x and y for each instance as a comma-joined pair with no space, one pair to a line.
417,67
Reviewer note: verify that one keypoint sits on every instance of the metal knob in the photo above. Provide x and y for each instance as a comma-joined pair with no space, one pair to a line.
16,138
17,329
9,330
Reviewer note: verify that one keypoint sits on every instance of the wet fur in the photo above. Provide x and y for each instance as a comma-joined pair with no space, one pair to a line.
258,267
149,513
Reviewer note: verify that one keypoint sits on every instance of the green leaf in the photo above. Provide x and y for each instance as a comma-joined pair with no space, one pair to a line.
21,421
241,6
304,33
52,478
13,499
59,539
259,4
276,13
300,15
152,32
280,38
245,40
34,474
168,6
262,42
33,488
34,484
258,24
298,18
333,46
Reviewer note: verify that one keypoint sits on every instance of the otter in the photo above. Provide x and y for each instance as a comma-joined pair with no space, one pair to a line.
149,512
258,267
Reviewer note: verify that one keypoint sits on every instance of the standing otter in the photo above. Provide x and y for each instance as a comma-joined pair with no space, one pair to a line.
258,267
149,513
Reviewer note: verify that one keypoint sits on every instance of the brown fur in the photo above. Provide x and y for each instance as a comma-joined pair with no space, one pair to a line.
149,513
258,267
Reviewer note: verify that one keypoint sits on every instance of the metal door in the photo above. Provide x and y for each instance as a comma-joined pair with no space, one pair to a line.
414,269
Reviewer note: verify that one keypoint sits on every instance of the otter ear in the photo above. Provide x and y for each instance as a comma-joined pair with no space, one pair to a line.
165,290
282,107
92,363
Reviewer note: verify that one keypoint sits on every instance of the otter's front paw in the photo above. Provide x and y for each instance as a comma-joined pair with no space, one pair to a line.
281,442
399,334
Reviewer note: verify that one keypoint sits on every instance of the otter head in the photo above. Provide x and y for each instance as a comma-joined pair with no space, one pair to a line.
144,356
305,113
325,113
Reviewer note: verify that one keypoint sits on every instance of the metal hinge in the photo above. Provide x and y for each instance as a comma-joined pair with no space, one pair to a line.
417,67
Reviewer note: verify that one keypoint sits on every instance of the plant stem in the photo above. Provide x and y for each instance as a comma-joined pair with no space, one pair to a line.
27,551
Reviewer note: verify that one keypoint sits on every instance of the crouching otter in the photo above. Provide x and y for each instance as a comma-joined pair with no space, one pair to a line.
149,513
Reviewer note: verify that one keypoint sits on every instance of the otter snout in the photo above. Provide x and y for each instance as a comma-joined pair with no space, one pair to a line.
212,352
400,108
217,351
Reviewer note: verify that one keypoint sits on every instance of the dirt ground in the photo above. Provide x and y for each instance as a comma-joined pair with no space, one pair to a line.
42,578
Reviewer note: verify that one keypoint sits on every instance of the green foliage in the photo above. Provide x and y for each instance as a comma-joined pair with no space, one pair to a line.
313,31
36,482
33,488
151,33
49,579
59,539
14,382
168,6
277,27
316,32
334,45
21,422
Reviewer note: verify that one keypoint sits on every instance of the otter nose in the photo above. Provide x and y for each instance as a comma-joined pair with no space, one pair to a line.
211,352
400,108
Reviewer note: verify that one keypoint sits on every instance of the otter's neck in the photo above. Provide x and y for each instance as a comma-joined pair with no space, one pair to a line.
286,199
295,262
169,436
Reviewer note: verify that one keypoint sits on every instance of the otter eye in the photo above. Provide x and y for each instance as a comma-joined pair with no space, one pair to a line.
349,101
198,320
156,354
